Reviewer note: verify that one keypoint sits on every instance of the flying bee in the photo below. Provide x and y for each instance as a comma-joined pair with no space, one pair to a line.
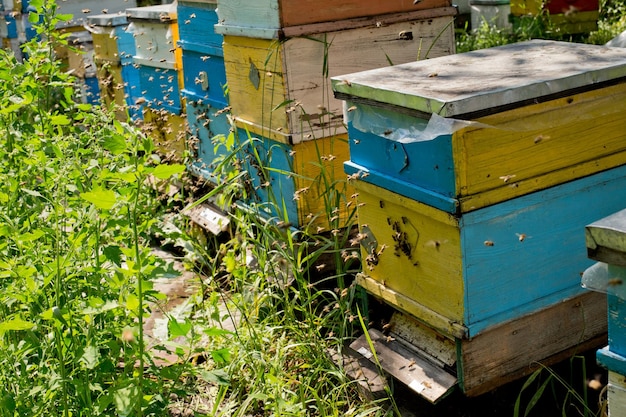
86,11
489,243
615,281
507,178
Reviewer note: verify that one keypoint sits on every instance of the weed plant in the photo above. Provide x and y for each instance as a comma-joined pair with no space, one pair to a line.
76,271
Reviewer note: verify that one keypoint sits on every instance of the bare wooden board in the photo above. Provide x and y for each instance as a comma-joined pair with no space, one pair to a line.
429,381
514,349
371,383
209,218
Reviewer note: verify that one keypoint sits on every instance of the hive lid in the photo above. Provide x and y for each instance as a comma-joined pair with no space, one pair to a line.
160,12
606,239
118,19
488,81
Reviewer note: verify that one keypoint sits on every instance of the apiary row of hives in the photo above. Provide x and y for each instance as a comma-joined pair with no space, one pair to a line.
476,175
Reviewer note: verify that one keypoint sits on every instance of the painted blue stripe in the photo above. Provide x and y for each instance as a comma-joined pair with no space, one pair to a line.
406,189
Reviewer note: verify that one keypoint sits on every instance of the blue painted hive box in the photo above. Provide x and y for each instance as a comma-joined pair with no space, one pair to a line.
209,130
466,131
155,30
203,70
197,19
114,49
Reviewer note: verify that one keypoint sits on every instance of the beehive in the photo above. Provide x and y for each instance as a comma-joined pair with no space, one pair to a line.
463,274
114,49
470,130
302,185
209,129
283,85
155,30
268,18
167,130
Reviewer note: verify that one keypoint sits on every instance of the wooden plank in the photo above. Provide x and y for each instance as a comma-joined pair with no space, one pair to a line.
407,366
380,20
372,385
611,360
512,350
493,78
296,13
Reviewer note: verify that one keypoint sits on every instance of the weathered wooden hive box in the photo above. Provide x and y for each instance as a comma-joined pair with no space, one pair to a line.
282,85
114,49
475,174
302,185
81,9
155,30
268,18
204,84
566,16
82,65
606,243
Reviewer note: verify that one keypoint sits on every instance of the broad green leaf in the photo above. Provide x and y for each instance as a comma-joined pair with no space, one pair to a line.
216,331
102,199
32,192
125,400
60,120
177,328
132,302
64,17
113,253
115,144
16,323
221,356
90,357
216,376
165,171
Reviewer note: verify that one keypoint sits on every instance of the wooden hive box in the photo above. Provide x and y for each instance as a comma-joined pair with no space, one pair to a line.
197,20
301,185
168,131
114,49
81,9
283,85
463,274
470,130
606,243
159,61
267,18
209,130
202,54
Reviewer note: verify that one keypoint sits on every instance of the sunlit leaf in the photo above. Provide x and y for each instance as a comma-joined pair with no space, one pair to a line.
221,356
60,120
90,357
177,328
165,171
115,144
216,376
102,199
16,323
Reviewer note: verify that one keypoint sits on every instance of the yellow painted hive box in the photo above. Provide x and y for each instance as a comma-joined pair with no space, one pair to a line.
167,130
467,131
283,86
